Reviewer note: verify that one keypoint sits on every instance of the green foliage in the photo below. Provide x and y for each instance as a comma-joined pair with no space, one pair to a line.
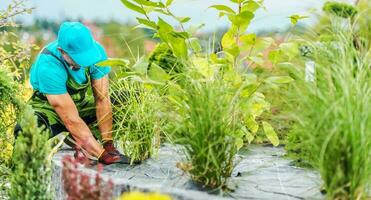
137,123
206,125
295,18
332,116
163,57
213,106
10,105
13,57
31,174
14,54
178,41
340,9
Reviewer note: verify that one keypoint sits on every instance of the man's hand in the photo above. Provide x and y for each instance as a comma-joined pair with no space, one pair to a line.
103,107
67,111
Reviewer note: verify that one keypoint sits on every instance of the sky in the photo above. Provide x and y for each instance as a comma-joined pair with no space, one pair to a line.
273,18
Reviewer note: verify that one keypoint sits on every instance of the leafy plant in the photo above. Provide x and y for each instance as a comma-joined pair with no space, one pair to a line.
13,57
340,9
80,186
137,119
332,116
234,67
31,173
163,57
10,105
193,111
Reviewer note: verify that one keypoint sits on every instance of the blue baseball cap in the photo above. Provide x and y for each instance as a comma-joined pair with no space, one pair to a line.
76,40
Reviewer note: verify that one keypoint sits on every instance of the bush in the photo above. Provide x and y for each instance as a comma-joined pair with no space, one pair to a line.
332,117
205,125
80,186
31,174
10,105
163,57
340,9
137,119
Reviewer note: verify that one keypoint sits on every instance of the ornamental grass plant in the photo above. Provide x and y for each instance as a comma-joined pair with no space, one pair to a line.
137,119
205,126
332,115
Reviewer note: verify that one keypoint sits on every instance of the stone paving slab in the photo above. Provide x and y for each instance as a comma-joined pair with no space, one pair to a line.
261,172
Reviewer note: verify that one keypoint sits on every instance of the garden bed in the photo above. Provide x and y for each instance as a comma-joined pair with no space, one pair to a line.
261,173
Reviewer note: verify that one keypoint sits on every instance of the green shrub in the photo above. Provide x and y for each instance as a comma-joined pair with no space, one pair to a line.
214,105
205,126
136,119
332,117
31,173
340,9
163,57
10,106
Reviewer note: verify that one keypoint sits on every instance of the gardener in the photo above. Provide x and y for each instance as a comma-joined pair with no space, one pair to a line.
60,77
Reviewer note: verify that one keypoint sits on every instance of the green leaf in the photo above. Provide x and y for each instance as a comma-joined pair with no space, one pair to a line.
113,62
239,143
285,65
147,23
234,50
228,40
183,19
261,44
290,49
270,133
133,7
251,6
169,2
251,124
223,8
248,39
146,3
256,59
279,79
277,56
196,45
179,47
295,18
241,20
184,35
141,66
156,73
164,26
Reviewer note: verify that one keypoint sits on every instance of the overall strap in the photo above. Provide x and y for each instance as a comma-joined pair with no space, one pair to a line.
48,52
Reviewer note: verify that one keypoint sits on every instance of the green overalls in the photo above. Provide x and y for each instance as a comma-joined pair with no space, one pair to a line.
45,112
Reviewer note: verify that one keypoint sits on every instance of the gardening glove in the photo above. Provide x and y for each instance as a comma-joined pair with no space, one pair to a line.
108,158
82,158
110,148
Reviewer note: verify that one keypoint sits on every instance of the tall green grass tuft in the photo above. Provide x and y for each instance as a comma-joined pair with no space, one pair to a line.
137,119
332,116
205,126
